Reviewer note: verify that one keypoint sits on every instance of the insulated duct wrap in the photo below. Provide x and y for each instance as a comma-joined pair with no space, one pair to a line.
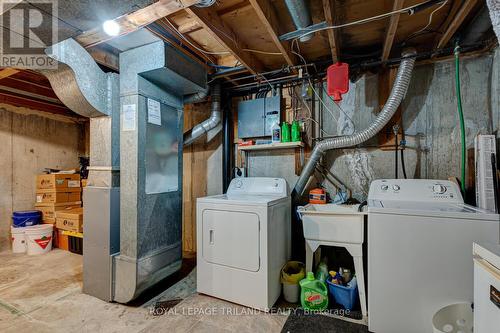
398,92
301,17
212,122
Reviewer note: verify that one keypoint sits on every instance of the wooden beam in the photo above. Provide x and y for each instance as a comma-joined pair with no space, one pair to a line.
6,72
189,26
332,40
214,25
133,21
391,30
457,21
267,15
105,57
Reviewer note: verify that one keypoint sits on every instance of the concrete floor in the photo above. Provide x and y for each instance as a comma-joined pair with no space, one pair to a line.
43,294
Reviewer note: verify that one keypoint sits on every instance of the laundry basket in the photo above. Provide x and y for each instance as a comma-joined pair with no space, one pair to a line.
453,318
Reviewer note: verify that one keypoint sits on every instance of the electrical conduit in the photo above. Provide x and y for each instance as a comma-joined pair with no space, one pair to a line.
397,94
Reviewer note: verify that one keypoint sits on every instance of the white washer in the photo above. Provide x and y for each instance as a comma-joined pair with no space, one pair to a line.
420,236
243,241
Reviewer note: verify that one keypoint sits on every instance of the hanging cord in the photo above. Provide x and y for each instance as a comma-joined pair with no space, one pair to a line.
460,115
403,158
395,129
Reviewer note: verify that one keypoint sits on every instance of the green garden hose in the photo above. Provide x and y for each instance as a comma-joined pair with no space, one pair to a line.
460,115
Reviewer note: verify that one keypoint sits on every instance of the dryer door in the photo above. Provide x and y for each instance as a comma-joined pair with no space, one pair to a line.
231,239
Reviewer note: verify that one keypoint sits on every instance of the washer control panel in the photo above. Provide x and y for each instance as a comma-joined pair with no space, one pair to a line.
428,190
258,186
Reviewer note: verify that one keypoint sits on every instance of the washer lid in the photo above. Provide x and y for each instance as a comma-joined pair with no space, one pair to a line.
456,210
244,199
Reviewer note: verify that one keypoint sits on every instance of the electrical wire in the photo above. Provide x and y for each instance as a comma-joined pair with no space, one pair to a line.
362,21
430,17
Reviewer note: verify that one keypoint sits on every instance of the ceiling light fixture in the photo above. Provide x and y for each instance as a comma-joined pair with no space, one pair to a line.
111,28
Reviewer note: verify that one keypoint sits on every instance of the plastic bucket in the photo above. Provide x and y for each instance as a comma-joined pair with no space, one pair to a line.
454,318
26,218
291,274
38,239
18,240
345,296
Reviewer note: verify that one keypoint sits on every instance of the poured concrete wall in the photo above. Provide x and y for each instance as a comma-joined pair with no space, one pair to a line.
430,122
29,143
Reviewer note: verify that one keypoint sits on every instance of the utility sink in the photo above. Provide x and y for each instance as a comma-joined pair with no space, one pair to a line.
333,223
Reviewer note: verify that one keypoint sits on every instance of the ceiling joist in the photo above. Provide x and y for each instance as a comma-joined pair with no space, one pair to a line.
133,21
391,30
332,39
267,15
457,21
214,25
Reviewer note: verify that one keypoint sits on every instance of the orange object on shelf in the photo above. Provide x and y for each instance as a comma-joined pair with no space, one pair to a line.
317,196
62,241
246,143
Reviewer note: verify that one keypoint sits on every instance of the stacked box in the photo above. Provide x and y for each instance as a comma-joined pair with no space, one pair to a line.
70,219
57,192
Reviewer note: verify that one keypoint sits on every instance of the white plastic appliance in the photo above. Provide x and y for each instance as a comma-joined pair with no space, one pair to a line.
486,288
420,236
243,240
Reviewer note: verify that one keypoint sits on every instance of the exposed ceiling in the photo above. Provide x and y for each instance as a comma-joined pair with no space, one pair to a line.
245,33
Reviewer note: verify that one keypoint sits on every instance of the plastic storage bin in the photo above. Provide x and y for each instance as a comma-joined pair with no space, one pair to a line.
345,296
26,218
75,244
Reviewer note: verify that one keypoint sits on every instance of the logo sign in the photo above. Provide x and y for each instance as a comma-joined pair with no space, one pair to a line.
28,28
43,242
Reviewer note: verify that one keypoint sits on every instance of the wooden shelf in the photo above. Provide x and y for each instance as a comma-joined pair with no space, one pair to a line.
72,233
269,146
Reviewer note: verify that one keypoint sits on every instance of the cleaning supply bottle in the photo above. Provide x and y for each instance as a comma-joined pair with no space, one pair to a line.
295,131
285,132
322,271
276,133
313,293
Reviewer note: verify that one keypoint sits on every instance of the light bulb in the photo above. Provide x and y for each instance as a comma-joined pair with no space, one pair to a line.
111,28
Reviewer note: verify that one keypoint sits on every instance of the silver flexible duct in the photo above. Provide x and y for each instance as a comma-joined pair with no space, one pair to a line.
398,92
212,122
196,98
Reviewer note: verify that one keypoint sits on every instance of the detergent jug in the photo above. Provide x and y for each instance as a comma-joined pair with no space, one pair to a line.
313,293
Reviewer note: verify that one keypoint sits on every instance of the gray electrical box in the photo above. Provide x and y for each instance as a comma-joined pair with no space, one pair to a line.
256,117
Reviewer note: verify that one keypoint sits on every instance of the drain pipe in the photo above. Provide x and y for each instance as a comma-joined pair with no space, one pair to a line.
301,17
397,94
212,122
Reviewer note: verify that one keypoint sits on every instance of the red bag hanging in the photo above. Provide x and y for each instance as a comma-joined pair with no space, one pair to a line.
337,80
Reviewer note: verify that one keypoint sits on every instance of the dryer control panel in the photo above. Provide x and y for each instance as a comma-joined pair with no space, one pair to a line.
258,186
421,190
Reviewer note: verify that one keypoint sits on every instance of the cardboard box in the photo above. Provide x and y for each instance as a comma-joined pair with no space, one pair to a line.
57,181
49,209
70,219
58,196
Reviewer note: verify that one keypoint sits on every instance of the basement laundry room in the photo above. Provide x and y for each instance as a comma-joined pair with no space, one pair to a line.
250,166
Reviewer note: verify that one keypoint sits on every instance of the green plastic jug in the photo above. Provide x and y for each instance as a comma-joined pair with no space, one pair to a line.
285,132
295,131
313,293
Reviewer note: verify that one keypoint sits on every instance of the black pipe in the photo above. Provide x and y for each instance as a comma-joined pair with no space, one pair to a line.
226,144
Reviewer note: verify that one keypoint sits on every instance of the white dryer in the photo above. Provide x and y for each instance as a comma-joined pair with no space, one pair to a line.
243,241
420,237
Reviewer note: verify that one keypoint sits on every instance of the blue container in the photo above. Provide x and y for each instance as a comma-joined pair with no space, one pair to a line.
345,296
26,218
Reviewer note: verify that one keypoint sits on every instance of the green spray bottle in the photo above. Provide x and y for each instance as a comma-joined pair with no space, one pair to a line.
296,131
285,132
313,293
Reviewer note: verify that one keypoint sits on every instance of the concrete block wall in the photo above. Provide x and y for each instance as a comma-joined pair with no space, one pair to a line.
30,142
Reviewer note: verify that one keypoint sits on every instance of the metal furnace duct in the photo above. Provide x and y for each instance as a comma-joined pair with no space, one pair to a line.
301,16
